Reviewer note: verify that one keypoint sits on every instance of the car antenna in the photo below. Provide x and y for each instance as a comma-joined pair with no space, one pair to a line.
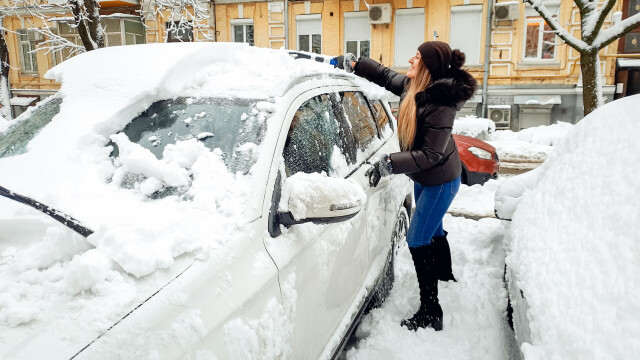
58,215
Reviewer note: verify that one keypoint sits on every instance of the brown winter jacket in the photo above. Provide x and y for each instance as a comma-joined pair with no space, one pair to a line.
433,159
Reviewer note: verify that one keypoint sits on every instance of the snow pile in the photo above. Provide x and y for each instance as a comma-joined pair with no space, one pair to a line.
573,239
547,135
475,127
532,144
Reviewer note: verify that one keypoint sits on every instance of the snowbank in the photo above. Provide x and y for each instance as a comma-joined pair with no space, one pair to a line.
532,144
574,241
475,127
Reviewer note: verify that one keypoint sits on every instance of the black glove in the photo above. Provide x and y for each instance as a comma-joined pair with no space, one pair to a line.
344,62
379,170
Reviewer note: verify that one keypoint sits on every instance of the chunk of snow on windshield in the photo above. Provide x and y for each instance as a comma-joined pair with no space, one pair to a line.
266,106
136,159
204,135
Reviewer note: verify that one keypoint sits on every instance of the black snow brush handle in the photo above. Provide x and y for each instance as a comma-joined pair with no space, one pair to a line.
65,219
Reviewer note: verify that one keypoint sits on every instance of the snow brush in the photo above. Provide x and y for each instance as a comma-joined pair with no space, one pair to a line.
63,218
330,60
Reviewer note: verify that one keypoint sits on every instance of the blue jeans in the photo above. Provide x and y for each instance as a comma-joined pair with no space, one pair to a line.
432,203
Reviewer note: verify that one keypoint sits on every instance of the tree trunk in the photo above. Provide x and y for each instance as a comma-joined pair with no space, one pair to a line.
5,96
86,14
591,80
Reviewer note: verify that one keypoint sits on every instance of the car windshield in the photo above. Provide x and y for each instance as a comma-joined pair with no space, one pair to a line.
14,141
231,125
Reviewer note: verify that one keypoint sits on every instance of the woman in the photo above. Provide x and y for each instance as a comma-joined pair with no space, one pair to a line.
434,88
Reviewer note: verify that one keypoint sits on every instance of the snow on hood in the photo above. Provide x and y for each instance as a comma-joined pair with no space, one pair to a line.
574,241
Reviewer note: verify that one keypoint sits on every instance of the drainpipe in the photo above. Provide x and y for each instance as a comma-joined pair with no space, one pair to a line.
487,57
286,24
215,22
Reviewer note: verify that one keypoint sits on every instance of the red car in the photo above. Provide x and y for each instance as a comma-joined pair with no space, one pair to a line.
479,160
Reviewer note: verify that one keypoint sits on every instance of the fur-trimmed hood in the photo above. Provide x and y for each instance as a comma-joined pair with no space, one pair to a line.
453,90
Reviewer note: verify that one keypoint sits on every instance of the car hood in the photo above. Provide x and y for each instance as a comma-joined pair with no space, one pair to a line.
464,141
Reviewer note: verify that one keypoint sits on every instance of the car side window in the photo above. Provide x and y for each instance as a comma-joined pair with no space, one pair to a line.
382,118
318,140
359,116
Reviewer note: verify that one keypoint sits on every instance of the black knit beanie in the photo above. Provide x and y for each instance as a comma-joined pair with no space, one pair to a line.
438,57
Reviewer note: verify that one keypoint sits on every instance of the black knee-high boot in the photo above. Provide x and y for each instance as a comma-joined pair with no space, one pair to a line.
442,257
430,313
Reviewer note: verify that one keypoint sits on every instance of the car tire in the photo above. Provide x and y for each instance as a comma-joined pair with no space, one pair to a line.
464,178
384,286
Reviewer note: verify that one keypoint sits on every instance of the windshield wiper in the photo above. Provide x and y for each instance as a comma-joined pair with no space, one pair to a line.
58,215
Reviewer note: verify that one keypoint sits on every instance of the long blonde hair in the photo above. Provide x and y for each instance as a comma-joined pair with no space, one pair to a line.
407,112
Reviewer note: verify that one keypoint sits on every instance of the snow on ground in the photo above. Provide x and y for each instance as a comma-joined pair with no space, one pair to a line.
476,200
532,144
475,324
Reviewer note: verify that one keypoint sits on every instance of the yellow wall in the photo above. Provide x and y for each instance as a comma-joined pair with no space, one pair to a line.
17,78
507,65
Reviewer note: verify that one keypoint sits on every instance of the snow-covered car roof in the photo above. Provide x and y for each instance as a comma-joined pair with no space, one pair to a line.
574,240
68,166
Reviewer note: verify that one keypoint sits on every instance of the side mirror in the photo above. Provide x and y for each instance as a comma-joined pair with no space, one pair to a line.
319,199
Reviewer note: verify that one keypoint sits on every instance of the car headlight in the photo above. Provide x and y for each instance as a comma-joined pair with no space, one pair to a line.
482,154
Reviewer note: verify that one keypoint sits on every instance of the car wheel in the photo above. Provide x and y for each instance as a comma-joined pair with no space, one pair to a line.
464,178
399,235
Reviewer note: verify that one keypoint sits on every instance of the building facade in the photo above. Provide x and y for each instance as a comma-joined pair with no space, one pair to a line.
533,78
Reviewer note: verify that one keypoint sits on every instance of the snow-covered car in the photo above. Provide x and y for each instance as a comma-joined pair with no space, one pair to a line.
572,260
226,190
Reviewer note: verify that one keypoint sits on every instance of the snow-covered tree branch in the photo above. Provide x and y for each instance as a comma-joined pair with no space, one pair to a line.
593,39
179,16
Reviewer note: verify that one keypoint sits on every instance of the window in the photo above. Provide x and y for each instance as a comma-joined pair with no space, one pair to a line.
28,60
540,40
309,29
630,43
118,32
381,117
357,33
466,29
123,32
15,139
356,111
318,140
409,34
242,31
179,32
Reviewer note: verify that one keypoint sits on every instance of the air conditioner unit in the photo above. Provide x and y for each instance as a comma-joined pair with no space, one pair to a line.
501,116
34,35
507,11
379,13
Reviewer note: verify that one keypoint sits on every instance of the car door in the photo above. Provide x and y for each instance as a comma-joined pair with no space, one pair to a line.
324,266
372,131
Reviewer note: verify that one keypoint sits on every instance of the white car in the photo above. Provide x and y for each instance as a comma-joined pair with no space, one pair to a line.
572,259
224,187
